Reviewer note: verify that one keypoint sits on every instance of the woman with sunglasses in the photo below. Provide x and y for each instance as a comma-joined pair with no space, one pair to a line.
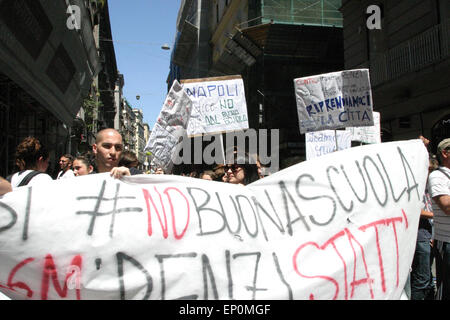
241,171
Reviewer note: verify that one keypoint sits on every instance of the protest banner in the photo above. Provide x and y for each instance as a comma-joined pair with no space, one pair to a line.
170,126
320,143
340,226
334,100
219,105
371,134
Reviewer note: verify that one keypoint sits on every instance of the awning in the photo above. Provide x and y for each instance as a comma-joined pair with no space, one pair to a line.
300,41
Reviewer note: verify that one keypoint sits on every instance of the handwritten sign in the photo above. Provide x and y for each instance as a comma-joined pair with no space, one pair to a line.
170,126
371,134
320,143
340,227
334,100
219,105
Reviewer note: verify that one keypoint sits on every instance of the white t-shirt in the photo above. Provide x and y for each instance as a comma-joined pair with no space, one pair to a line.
439,184
37,180
64,175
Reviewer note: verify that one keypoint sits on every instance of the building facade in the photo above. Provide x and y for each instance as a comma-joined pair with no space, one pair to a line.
269,43
139,137
48,60
408,58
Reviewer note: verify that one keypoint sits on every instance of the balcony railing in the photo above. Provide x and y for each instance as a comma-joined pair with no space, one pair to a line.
423,50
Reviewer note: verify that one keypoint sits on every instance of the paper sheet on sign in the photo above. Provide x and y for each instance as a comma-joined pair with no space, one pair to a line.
341,226
334,100
219,105
370,134
320,143
170,126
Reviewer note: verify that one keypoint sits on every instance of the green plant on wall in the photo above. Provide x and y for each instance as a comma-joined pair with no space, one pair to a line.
91,105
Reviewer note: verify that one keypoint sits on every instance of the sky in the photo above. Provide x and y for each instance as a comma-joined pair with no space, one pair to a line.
139,29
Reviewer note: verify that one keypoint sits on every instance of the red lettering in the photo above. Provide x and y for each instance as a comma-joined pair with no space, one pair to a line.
367,280
166,192
147,196
380,258
338,235
323,247
50,271
11,285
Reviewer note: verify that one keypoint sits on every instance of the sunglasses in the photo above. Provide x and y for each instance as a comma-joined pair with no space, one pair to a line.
233,167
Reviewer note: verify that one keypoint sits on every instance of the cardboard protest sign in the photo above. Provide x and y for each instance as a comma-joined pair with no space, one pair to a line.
342,226
334,100
320,143
219,105
170,126
371,134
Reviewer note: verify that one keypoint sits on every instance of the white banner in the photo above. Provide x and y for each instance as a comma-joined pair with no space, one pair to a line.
370,134
334,100
170,126
219,105
320,143
341,226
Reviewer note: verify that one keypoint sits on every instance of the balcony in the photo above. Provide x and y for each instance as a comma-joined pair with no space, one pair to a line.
427,48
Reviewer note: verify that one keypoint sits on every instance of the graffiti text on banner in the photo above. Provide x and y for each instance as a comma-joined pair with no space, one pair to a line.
341,227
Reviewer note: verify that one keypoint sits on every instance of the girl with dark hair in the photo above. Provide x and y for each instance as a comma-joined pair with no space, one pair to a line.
129,159
241,171
82,166
32,160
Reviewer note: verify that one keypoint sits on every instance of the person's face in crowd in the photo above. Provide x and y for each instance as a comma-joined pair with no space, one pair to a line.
107,150
80,168
235,173
159,171
207,177
42,164
64,163
225,177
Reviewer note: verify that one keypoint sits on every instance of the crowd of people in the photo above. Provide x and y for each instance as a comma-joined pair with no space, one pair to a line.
108,155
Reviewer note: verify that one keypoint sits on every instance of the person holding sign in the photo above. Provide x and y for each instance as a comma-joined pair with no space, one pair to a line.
107,149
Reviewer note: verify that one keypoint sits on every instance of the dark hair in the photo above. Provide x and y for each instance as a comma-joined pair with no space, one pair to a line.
28,153
68,156
128,159
85,160
250,170
210,173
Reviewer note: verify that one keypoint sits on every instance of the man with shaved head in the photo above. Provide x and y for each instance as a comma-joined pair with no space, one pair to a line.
107,149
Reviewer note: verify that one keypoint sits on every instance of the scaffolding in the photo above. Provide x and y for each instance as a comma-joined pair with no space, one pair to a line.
308,12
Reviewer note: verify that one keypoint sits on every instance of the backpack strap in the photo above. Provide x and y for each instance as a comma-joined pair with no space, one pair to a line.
28,178
445,173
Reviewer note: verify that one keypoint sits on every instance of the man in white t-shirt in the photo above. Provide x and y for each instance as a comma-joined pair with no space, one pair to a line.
439,189
65,163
